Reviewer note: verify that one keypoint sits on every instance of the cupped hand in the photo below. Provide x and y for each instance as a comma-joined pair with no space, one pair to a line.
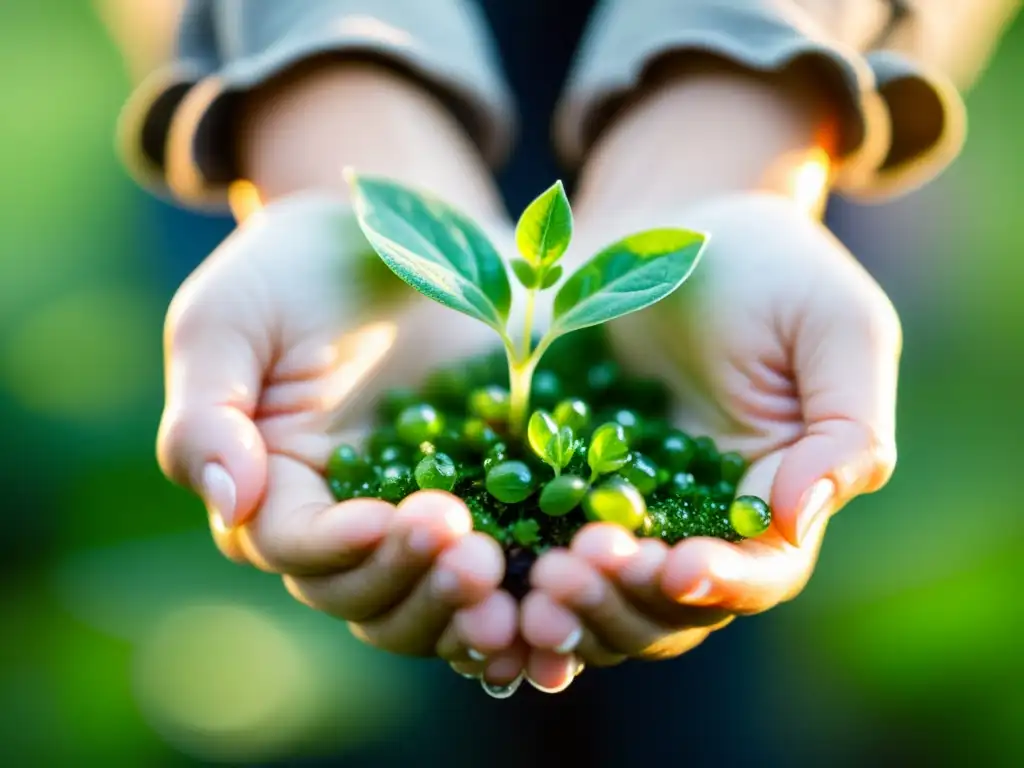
275,348
781,347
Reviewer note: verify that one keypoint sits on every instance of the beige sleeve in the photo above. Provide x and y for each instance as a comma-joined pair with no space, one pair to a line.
187,108
896,69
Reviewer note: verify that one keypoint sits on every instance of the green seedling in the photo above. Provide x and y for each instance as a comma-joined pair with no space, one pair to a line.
444,255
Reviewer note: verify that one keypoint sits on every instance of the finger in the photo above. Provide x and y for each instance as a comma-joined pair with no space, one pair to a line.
504,671
481,630
847,365
207,440
300,530
572,582
423,525
634,567
551,672
464,574
745,578
472,670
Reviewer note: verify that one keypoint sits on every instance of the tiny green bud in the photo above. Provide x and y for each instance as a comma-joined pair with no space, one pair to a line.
478,434
394,401
436,472
546,389
631,424
510,482
641,473
616,501
391,454
608,450
733,467
573,413
396,483
676,451
683,483
340,490
603,377
539,431
419,423
723,490
526,532
749,516
346,466
560,449
490,404
562,495
496,454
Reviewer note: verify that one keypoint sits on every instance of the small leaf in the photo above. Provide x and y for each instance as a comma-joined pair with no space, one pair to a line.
509,482
616,501
545,228
434,248
524,273
608,450
539,431
560,448
526,532
562,495
552,276
629,275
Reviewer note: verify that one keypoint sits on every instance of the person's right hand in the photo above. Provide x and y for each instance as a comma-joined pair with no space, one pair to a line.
274,348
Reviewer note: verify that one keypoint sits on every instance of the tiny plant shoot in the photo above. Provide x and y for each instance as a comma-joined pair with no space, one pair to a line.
444,255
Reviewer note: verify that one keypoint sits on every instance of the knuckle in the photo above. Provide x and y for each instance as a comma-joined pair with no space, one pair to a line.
170,442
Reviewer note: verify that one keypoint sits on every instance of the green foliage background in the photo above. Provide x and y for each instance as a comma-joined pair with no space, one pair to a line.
910,627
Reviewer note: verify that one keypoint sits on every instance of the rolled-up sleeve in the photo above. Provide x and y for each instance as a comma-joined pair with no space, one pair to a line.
887,63
228,47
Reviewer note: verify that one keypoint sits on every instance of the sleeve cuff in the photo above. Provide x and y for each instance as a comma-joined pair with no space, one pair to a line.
927,127
445,46
897,128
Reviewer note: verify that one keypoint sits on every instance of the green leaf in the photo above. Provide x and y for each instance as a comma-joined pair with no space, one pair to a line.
551,277
434,248
629,275
560,448
562,495
539,432
524,273
608,450
526,532
545,228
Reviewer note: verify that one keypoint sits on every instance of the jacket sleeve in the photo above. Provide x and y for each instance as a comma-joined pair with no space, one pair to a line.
227,47
895,68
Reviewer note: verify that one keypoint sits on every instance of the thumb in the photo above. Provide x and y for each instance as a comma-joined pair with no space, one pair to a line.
208,441
846,364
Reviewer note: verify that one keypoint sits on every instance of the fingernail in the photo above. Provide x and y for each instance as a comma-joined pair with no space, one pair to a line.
475,655
572,665
501,691
424,541
579,669
463,673
444,583
700,593
641,569
220,495
816,501
571,642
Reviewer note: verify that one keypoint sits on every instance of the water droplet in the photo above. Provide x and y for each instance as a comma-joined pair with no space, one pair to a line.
501,691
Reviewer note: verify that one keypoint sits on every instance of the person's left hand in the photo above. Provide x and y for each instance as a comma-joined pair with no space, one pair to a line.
782,348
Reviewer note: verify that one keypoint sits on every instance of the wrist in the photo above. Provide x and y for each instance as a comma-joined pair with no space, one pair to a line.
298,132
708,130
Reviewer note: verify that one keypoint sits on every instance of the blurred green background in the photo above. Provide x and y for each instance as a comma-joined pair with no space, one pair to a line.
128,639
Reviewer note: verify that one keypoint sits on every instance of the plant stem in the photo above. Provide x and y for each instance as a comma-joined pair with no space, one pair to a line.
531,299
520,374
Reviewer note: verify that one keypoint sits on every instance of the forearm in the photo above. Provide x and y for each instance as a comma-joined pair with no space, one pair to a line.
704,132
299,131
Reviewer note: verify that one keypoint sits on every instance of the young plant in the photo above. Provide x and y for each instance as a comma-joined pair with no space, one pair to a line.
441,253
